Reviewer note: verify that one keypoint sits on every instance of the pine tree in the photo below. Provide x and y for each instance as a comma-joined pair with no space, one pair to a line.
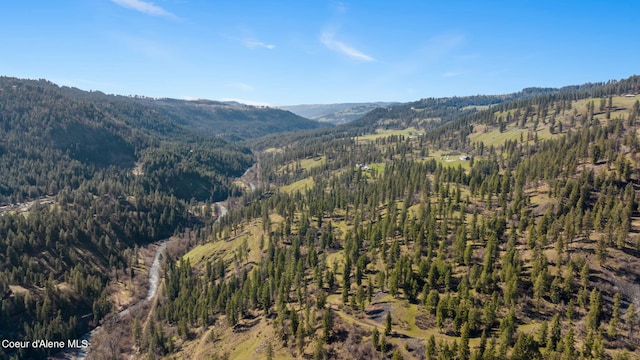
430,349
463,350
631,319
569,350
269,351
555,333
327,325
595,311
612,330
397,355
543,333
387,324
300,339
525,348
318,352
375,337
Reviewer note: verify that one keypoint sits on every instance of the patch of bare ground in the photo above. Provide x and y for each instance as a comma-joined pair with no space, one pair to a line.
623,274
378,311
246,324
349,342
178,246
114,340
129,287
425,322
618,273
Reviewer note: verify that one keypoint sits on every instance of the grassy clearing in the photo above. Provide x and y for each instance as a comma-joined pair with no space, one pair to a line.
476,107
225,249
242,185
531,328
617,101
299,185
496,138
336,257
304,164
308,164
447,160
403,318
540,199
385,133
249,344
378,167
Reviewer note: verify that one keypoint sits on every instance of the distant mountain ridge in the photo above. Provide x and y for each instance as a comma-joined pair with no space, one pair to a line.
336,113
342,113
232,119
54,138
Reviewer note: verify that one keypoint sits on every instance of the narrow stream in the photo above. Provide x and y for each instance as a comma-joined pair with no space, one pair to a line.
154,273
251,185
154,282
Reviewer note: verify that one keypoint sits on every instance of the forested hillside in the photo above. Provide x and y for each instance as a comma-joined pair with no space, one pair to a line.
231,120
85,185
501,232
425,114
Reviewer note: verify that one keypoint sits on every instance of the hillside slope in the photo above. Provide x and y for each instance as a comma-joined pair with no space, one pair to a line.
236,121
85,186
230,120
509,232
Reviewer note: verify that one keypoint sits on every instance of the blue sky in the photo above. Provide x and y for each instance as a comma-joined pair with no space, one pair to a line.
303,52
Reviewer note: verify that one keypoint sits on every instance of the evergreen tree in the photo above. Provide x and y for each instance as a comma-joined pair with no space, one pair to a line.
631,317
387,324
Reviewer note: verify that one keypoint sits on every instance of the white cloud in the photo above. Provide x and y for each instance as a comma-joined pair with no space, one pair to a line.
327,38
145,7
251,43
247,38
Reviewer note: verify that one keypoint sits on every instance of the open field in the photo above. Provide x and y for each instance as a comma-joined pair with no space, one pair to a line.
247,238
299,185
386,133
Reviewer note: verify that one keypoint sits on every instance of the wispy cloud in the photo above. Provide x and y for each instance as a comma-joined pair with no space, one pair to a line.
328,39
241,86
247,38
252,43
145,8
